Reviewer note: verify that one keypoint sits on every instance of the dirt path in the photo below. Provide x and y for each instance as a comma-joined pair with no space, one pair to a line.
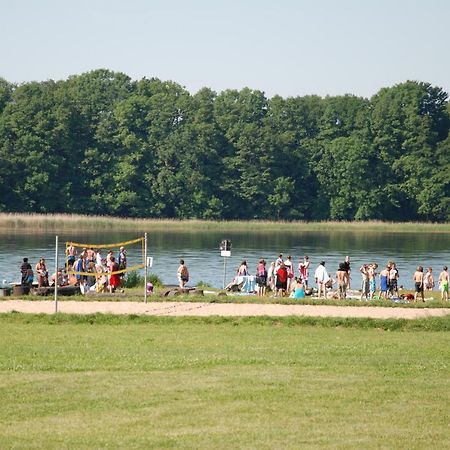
217,309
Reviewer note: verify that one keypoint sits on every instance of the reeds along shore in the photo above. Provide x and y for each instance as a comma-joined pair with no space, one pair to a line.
49,222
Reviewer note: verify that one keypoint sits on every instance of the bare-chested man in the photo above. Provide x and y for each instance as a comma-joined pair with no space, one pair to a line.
342,280
418,283
71,253
443,283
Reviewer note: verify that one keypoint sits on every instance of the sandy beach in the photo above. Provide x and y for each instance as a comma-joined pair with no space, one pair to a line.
217,309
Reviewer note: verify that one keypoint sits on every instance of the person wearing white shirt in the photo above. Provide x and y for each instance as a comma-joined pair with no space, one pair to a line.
321,277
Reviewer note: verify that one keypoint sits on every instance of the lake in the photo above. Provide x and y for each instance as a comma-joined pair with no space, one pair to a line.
200,250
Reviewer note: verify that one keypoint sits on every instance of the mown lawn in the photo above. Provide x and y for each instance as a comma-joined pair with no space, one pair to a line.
192,383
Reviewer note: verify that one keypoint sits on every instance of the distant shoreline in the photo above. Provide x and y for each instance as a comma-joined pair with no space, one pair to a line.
60,222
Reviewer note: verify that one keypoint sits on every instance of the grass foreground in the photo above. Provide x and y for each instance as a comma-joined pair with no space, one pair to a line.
155,382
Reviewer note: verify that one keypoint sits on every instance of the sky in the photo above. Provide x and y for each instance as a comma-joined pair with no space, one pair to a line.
281,47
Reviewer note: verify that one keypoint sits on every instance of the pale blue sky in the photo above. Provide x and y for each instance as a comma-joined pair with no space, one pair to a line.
285,47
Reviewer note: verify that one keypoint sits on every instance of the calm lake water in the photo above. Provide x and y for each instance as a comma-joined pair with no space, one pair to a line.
200,250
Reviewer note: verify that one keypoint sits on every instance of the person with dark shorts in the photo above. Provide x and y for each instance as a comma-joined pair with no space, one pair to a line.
393,279
418,283
261,278
281,283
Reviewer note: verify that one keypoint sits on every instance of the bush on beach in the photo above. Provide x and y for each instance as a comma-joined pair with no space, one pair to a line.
134,279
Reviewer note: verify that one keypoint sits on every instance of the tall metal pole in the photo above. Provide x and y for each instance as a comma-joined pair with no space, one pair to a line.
145,268
56,274
224,271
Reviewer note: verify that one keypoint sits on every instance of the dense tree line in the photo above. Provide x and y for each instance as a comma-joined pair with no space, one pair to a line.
101,143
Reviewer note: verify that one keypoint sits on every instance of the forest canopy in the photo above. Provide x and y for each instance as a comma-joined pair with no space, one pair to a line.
101,143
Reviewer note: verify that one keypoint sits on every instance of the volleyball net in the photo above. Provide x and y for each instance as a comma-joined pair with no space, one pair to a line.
135,244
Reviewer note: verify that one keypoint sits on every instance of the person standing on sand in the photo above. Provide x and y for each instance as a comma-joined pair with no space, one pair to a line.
443,283
182,274
372,273
322,278
342,279
347,269
428,279
393,279
418,283
303,269
384,282
364,269
114,279
290,272
261,278
281,283
271,276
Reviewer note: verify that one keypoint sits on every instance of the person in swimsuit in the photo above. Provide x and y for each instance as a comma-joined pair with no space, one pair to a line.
182,274
372,273
42,274
443,283
418,283
299,291
428,279
393,280
347,269
71,253
261,278
114,279
303,269
384,278
364,270
342,279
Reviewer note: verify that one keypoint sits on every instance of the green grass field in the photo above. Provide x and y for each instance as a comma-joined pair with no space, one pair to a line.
142,382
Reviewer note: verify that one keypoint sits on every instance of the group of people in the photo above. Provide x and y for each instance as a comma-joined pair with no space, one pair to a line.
281,279
27,273
103,270
87,269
